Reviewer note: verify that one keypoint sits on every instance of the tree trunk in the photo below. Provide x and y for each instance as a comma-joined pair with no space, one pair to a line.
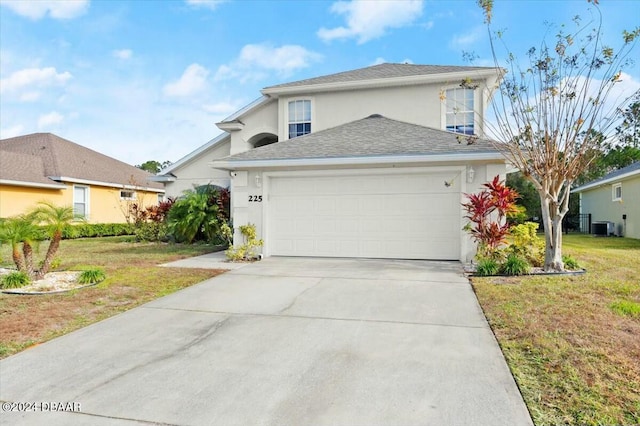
552,220
27,250
17,258
51,252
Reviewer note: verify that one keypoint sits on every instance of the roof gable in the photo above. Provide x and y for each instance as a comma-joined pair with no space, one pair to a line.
62,158
369,137
380,72
213,143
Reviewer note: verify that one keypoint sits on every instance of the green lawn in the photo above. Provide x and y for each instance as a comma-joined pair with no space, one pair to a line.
573,342
133,278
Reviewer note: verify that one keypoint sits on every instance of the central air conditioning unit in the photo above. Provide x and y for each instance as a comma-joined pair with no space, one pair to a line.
602,229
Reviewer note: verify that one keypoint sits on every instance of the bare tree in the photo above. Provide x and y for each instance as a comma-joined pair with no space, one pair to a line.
552,110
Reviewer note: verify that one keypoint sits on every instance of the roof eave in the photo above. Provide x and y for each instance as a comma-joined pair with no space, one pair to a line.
10,182
380,82
255,104
193,154
162,178
607,181
356,161
107,184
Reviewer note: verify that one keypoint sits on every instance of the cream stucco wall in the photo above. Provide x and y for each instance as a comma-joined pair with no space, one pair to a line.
105,205
199,172
261,120
599,202
417,104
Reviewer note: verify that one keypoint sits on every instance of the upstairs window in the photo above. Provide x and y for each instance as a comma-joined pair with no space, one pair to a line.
299,118
616,194
459,111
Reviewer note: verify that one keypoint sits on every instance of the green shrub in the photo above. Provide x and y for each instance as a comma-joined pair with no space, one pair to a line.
90,276
487,267
90,230
570,263
15,280
199,215
527,244
626,308
150,231
515,265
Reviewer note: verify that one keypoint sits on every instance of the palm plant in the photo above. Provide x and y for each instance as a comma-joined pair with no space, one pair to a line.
20,230
198,215
195,216
56,219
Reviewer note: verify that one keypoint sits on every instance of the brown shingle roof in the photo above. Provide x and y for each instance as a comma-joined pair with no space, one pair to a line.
39,156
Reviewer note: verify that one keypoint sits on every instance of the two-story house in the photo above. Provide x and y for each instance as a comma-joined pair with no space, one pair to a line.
371,163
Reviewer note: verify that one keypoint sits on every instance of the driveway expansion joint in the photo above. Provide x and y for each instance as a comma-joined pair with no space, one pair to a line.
278,315
464,281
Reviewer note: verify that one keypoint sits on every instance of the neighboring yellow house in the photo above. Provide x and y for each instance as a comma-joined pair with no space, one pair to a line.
45,167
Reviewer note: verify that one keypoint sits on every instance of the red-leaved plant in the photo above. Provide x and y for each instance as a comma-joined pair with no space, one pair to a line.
487,210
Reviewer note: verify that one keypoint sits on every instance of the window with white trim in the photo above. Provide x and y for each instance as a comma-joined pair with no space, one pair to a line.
299,118
616,192
127,195
459,115
81,201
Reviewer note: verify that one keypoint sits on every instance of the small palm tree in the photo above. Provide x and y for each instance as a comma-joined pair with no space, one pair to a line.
20,230
194,216
56,219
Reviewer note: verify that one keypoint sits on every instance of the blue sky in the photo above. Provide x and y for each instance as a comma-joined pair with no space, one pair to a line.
143,80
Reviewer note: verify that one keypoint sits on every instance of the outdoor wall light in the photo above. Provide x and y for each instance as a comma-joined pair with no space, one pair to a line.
470,174
258,181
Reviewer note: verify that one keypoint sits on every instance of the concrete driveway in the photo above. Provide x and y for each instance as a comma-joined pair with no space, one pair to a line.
285,341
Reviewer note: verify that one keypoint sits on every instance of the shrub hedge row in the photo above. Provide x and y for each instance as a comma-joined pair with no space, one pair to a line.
88,230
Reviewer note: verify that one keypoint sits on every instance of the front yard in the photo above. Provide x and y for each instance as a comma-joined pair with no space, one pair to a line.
133,278
573,342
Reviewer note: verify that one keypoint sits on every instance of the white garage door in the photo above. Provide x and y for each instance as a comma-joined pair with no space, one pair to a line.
398,216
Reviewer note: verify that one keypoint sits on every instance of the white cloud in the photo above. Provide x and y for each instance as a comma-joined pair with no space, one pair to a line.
255,59
467,39
192,81
50,119
33,77
12,131
367,20
123,54
30,96
208,4
56,9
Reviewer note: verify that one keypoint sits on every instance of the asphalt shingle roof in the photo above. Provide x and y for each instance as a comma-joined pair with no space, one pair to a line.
380,71
372,136
36,157
612,175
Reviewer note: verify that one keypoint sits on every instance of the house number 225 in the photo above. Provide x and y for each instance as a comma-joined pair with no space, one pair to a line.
255,198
